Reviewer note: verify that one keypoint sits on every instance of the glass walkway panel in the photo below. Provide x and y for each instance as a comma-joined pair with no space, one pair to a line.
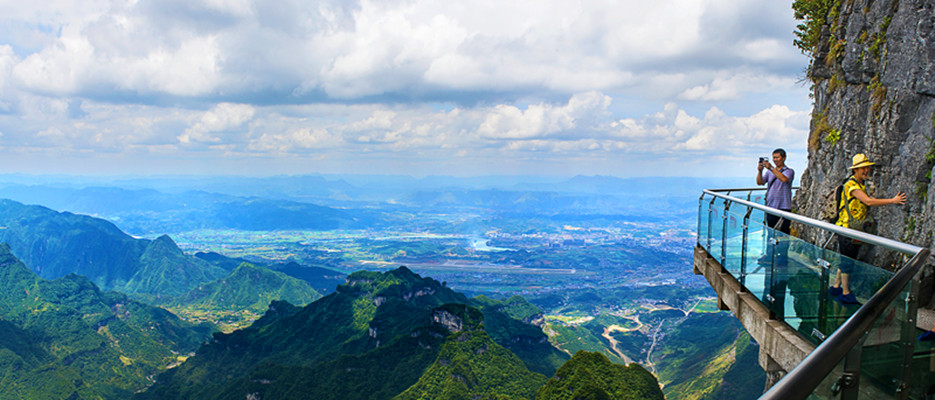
866,350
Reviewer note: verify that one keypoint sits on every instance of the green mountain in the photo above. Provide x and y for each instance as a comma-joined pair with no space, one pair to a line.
56,244
166,271
517,324
67,339
378,335
240,298
249,287
592,376
471,365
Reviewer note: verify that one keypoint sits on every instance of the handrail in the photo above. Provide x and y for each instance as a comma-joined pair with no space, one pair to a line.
901,247
802,380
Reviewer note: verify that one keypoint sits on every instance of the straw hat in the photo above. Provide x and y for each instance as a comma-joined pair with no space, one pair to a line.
861,160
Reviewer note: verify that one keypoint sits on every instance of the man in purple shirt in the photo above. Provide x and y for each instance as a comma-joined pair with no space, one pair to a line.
778,181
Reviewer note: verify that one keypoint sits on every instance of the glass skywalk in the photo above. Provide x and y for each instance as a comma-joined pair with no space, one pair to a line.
875,353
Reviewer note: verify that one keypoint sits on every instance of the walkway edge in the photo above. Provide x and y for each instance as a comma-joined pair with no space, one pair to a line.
781,347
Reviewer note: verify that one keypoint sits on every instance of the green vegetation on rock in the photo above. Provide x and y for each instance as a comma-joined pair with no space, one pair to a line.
592,376
471,365
813,14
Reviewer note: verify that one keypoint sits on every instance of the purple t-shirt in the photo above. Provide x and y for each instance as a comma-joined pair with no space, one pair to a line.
779,194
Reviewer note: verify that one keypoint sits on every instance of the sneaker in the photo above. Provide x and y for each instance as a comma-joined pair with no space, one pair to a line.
835,291
847,299
930,335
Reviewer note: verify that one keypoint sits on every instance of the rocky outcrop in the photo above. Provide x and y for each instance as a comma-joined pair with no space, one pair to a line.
873,75
450,321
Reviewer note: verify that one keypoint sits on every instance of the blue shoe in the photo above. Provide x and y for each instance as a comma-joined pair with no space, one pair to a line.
847,299
930,335
835,291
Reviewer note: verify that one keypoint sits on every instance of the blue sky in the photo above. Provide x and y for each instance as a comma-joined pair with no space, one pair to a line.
475,87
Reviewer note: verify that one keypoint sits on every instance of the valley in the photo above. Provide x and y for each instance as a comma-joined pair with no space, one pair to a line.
600,275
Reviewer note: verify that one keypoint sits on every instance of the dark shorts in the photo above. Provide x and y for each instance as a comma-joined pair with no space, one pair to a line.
772,220
848,248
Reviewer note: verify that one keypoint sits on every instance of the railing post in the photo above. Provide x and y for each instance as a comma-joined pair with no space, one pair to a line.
849,383
907,337
743,248
700,205
710,209
825,278
726,221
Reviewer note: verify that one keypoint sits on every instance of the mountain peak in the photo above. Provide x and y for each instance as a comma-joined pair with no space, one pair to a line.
5,252
10,264
166,242
591,375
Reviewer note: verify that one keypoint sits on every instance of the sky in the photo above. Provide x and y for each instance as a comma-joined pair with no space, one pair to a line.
417,87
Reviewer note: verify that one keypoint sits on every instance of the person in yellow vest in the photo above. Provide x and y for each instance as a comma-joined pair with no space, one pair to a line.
854,202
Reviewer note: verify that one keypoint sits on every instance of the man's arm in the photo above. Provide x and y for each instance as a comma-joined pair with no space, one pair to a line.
780,175
759,175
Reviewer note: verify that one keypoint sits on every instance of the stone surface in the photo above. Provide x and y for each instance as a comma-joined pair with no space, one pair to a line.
879,93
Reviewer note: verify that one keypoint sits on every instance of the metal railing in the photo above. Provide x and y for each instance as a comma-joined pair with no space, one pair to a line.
867,351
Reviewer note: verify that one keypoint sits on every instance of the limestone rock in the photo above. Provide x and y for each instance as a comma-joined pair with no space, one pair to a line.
874,89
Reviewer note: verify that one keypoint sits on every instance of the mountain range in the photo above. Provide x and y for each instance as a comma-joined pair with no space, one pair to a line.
67,339
149,212
55,244
379,336
150,206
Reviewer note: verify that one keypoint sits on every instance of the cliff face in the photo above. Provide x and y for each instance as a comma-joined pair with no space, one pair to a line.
873,75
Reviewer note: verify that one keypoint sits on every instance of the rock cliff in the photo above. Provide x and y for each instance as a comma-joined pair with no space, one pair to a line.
873,85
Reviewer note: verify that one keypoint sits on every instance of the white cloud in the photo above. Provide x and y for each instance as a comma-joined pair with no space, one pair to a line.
674,130
475,81
542,120
733,85
349,50
224,117
293,140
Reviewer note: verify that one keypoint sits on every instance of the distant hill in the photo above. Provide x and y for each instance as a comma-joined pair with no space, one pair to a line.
151,206
148,211
239,298
378,336
56,244
321,279
65,338
220,260
249,287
